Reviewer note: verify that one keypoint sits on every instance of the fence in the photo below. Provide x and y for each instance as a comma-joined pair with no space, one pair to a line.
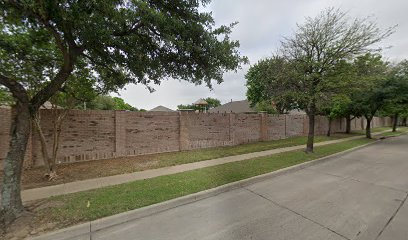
93,135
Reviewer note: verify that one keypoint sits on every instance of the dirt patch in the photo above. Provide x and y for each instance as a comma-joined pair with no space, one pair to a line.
34,178
31,223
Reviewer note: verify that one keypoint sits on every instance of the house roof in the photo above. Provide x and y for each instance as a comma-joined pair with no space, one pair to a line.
161,109
235,107
49,105
46,105
201,102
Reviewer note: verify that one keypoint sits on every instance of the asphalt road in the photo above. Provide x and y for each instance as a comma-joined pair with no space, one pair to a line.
360,195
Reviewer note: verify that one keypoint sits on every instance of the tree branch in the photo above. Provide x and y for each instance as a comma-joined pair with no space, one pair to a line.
16,89
55,84
129,31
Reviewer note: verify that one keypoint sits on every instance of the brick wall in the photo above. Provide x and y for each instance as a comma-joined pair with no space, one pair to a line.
146,133
5,118
85,135
202,130
92,135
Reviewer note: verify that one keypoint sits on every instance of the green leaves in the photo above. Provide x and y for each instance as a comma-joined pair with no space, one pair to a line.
212,103
116,42
371,74
314,68
105,102
271,79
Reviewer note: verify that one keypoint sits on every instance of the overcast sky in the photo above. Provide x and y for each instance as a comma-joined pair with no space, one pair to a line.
262,24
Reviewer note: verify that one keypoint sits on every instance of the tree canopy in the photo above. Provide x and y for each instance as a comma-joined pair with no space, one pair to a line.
105,102
306,66
45,44
212,103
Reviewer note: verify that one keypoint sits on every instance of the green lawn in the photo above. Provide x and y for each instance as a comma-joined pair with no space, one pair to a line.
72,208
177,158
373,130
400,131
33,178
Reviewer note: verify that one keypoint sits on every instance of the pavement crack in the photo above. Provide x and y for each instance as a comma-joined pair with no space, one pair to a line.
298,214
392,217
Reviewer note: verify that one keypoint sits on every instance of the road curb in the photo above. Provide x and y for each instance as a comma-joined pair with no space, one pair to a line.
84,231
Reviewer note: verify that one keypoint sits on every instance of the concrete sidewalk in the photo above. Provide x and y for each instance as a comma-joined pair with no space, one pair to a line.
78,186
358,195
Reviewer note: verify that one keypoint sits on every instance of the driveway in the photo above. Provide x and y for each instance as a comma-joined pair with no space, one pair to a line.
360,195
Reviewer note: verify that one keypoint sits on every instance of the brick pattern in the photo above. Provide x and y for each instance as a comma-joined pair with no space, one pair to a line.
204,130
85,135
246,128
147,133
5,122
92,135
276,127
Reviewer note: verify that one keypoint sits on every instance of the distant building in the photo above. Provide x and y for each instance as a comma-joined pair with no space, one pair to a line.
201,104
46,105
161,109
235,107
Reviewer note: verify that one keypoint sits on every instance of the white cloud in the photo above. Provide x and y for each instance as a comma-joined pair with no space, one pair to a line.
262,24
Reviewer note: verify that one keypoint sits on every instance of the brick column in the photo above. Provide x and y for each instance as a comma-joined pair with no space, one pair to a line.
306,125
183,135
231,128
120,133
263,127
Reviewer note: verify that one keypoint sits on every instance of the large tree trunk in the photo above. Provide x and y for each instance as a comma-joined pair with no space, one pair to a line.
310,136
348,124
330,127
404,122
11,203
368,127
395,122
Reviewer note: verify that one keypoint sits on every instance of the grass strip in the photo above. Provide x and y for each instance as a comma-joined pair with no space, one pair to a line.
400,131
33,178
373,130
73,208
177,158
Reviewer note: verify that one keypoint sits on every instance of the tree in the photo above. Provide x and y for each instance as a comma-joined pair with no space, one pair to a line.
372,72
266,106
120,104
102,102
75,92
396,104
106,102
187,107
265,84
117,42
212,102
315,50
5,98
334,109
